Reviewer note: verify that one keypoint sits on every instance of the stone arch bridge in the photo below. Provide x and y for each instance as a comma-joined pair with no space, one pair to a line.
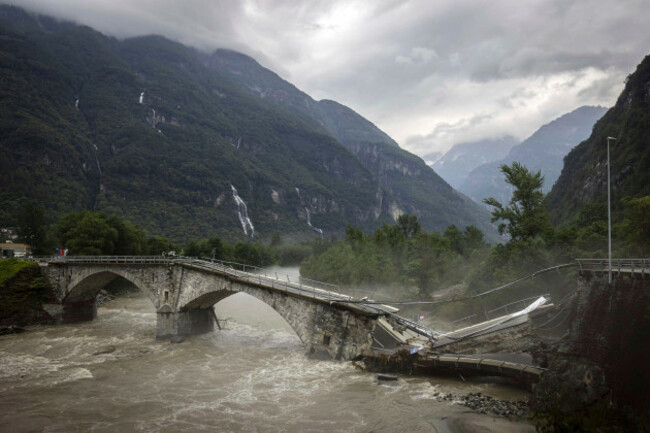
184,290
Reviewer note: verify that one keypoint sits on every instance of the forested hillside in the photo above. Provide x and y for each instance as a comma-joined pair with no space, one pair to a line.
158,133
583,182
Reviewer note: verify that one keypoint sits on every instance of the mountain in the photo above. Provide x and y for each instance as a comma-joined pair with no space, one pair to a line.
543,151
405,184
432,158
182,143
584,177
455,165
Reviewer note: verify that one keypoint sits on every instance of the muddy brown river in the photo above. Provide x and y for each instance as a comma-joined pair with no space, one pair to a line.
252,376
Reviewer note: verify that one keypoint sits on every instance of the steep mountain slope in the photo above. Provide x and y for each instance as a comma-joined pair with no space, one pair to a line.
143,130
432,158
404,182
584,177
543,151
455,165
152,131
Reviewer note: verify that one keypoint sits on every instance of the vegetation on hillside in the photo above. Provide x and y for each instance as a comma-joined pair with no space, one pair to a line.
75,135
9,268
409,263
398,257
583,182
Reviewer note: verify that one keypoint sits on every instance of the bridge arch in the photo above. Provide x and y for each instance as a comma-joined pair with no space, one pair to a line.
78,303
86,286
277,304
326,329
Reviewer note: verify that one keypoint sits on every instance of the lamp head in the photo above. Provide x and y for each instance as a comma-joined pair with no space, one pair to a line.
611,138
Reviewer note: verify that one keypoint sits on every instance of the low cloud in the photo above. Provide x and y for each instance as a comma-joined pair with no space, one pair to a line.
430,74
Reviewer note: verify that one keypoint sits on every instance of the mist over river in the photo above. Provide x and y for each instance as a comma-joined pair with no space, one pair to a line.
252,376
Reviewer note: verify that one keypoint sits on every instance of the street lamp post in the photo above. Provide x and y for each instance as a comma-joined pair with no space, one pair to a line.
609,215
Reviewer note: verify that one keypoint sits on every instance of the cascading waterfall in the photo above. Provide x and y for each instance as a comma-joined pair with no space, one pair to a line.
242,213
76,104
153,118
99,167
141,98
316,229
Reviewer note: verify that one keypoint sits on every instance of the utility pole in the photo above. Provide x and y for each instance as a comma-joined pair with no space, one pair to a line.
609,214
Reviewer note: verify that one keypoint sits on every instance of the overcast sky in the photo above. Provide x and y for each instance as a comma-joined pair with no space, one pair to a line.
431,73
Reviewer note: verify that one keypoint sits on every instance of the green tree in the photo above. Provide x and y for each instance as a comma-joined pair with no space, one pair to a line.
158,245
473,240
424,260
33,229
391,236
525,217
455,237
195,249
131,239
94,233
637,225
276,240
87,233
408,225
353,235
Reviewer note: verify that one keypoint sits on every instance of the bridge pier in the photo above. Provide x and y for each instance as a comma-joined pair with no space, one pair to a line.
184,323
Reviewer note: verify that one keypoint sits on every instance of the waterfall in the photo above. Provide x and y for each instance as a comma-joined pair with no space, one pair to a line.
99,167
242,213
153,120
316,229
141,98
76,104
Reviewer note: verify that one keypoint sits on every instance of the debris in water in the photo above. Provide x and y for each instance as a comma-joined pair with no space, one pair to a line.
6,330
104,350
386,377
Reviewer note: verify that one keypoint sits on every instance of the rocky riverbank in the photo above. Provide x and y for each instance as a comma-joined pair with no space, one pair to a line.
487,405
23,290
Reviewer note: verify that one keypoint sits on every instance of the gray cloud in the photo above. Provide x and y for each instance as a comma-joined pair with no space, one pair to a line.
431,74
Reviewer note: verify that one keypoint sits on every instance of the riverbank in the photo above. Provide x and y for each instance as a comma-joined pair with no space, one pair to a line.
23,290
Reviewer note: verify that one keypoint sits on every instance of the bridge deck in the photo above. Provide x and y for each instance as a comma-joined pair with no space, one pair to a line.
402,359
295,288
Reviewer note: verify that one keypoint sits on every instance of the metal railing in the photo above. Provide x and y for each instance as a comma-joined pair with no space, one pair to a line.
329,287
513,306
632,266
241,271
108,259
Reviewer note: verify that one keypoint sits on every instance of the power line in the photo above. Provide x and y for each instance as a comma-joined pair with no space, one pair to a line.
496,289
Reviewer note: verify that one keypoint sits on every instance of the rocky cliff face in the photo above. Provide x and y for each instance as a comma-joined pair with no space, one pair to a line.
584,176
600,365
403,182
